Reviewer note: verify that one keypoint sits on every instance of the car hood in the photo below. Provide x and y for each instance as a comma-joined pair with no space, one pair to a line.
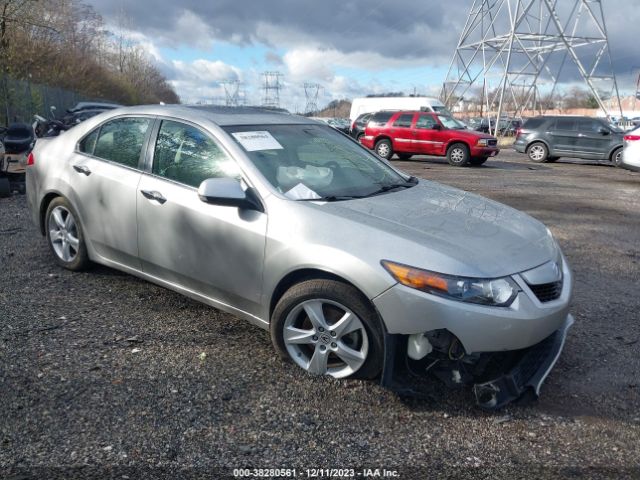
447,230
472,134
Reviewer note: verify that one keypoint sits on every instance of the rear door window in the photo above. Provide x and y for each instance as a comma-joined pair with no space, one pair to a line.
121,140
404,120
565,124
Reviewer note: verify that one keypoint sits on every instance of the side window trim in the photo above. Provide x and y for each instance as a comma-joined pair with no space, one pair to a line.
141,159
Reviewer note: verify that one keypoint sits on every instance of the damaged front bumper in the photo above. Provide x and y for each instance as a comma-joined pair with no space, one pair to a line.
521,372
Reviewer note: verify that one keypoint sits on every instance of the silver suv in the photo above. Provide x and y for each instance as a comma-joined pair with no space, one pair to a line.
547,138
355,268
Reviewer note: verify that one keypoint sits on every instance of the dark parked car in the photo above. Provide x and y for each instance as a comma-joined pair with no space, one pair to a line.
358,125
547,138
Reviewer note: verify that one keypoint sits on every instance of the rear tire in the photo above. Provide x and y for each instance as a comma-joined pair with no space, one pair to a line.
328,327
383,149
65,236
538,152
404,156
616,157
458,155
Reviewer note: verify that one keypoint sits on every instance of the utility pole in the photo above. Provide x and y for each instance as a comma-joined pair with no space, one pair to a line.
518,48
272,87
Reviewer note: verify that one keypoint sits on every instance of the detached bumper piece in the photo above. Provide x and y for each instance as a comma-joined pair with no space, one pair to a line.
521,375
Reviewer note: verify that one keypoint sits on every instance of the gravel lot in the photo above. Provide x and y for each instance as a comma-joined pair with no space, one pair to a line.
103,375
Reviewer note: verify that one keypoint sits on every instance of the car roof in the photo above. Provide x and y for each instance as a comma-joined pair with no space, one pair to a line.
221,115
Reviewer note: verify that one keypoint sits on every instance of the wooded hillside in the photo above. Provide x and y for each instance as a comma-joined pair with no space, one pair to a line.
65,43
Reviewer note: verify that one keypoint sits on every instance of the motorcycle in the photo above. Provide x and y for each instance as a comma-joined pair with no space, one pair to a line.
19,139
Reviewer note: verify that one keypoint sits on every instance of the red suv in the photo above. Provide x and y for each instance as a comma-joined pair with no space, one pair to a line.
423,133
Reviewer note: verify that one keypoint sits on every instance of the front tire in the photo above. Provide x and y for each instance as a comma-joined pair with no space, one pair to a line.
65,236
383,149
328,327
458,155
538,152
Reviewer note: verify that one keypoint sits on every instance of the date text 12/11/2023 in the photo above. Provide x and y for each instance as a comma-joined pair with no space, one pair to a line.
343,473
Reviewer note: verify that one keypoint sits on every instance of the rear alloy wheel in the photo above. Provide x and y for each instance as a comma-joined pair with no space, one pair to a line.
458,155
538,152
616,157
328,328
404,156
64,235
383,149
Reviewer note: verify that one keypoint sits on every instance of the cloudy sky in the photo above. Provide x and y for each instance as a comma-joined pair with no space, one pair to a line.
350,47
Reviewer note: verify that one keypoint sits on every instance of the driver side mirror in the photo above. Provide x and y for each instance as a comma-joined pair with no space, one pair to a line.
604,131
437,126
228,192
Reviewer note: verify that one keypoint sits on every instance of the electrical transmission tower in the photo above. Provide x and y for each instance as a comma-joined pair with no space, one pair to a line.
232,93
311,92
513,53
272,87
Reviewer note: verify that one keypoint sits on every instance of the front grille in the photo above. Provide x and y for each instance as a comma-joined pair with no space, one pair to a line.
492,143
547,292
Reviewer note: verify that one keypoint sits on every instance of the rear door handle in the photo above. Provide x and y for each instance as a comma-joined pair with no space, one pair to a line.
153,195
82,169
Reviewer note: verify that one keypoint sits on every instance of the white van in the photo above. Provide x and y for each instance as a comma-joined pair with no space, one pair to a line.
376,104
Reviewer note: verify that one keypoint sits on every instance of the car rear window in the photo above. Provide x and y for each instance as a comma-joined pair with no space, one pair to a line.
533,123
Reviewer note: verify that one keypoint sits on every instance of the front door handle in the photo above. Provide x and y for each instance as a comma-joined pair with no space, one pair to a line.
82,169
153,195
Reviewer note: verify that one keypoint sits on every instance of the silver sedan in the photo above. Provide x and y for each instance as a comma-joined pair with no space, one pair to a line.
357,269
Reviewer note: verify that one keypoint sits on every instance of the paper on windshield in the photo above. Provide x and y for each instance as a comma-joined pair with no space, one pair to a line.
255,141
301,192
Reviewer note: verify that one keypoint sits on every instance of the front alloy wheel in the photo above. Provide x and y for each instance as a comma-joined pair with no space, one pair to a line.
326,338
328,328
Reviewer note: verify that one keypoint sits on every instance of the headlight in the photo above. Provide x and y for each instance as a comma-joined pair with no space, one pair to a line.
483,142
497,292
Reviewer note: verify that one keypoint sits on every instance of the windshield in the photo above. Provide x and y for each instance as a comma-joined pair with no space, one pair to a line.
450,122
313,162
441,109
